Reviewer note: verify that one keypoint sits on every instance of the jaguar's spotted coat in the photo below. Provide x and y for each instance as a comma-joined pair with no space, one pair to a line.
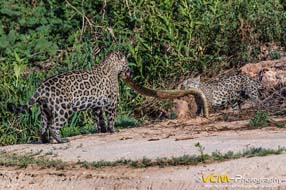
61,95
231,90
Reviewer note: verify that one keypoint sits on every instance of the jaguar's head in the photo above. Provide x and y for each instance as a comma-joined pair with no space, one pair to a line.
119,63
191,83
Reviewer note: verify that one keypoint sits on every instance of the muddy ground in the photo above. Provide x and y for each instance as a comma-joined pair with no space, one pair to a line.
168,139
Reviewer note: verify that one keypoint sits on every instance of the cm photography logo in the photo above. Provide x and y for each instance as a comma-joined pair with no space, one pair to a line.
216,178
222,179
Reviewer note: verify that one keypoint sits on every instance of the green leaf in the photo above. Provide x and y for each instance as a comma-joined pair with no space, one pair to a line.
18,68
17,57
9,12
4,43
12,36
43,45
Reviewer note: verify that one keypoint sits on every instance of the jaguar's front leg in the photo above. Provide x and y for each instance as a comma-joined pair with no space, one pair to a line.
99,122
110,114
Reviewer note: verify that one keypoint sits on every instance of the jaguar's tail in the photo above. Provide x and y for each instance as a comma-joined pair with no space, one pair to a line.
23,108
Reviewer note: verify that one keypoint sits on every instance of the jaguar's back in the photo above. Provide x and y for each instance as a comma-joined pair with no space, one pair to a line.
231,90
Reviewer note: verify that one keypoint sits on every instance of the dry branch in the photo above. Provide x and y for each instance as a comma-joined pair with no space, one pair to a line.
274,100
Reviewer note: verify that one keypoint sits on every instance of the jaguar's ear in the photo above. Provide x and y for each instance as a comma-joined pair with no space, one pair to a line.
123,59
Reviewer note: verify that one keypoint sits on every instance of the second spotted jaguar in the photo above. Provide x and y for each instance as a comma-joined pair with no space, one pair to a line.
231,90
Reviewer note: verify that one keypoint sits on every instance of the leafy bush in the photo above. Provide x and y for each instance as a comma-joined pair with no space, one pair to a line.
260,119
163,40
124,121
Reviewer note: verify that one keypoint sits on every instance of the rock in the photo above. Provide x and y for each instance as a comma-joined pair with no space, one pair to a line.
272,73
181,108
185,107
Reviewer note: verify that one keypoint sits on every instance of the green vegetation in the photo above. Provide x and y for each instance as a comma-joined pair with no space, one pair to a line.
259,120
122,121
24,161
163,40
262,119
201,149
40,161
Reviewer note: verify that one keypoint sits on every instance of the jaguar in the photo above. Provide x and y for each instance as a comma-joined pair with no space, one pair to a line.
61,95
228,90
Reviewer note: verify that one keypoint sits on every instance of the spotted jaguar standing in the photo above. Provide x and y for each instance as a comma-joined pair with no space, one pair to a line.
231,90
61,95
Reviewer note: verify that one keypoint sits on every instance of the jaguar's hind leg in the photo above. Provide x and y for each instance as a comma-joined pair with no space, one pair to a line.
199,103
55,132
253,93
236,107
46,118
57,124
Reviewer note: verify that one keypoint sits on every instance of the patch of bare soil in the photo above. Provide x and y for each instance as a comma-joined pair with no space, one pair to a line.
246,173
165,139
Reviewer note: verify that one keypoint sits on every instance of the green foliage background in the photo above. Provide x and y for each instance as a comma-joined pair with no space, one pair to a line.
164,39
